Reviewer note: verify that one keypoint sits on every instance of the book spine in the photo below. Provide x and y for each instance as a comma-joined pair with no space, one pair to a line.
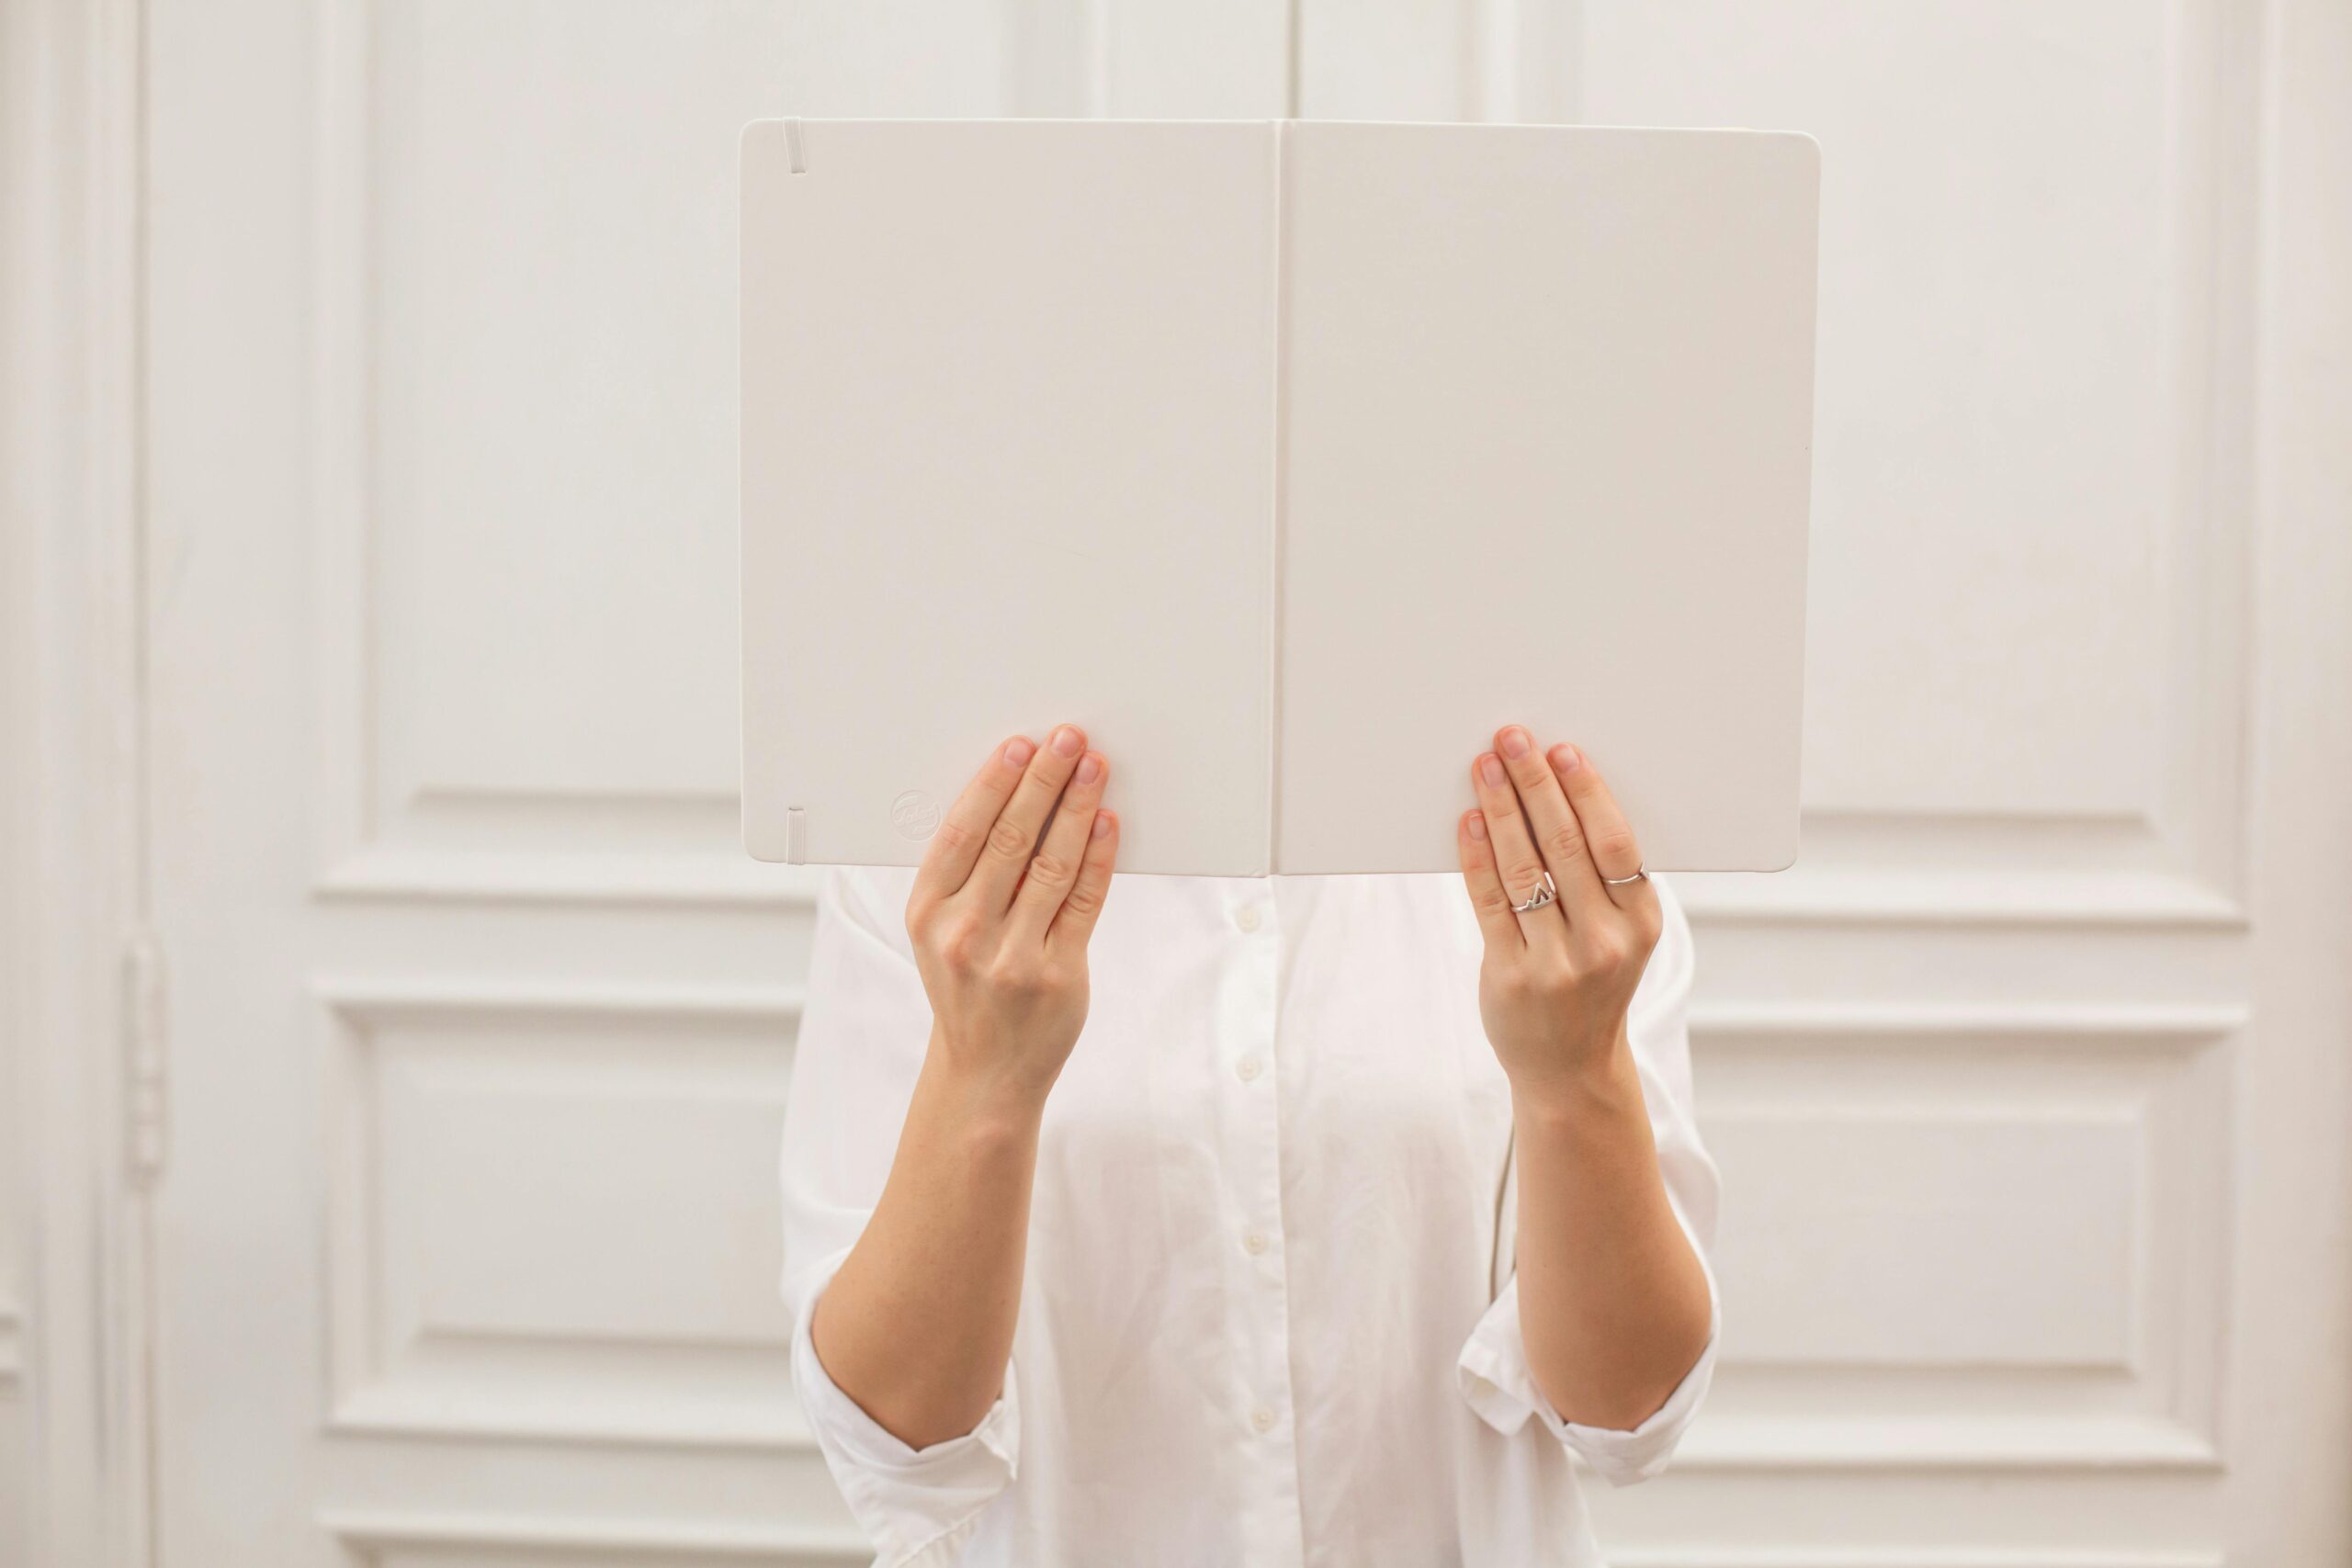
1276,532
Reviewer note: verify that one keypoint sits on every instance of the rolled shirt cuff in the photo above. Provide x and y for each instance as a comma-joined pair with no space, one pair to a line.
1501,1389
918,1506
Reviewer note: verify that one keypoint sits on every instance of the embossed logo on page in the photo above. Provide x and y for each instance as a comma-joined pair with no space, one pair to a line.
915,815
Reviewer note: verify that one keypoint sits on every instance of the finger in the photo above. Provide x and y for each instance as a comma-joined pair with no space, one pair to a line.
1614,850
1516,859
948,864
1053,869
1006,846
1075,924
1485,884
1552,823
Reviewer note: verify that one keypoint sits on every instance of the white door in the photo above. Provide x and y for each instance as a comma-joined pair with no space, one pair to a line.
479,1023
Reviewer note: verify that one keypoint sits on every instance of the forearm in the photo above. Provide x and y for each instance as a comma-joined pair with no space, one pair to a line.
917,1323
1613,1304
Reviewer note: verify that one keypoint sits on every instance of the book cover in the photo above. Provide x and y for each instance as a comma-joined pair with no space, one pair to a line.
1287,458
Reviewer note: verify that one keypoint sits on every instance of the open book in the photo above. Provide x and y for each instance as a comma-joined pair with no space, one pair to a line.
1287,458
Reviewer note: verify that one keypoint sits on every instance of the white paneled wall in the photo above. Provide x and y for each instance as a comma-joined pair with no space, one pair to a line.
478,1024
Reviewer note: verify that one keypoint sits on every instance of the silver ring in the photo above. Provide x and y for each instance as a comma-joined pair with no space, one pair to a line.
1621,881
1537,899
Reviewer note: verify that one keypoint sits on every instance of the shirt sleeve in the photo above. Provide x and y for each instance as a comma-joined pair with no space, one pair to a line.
1493,1371
865,1025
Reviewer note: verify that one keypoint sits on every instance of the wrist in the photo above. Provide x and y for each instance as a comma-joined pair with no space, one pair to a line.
983,1094
1603,1081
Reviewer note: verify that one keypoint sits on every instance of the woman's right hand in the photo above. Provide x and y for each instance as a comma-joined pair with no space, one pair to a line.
917,1324
1001,919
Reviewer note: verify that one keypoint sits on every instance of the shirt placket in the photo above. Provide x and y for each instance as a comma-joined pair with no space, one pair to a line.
1256,1243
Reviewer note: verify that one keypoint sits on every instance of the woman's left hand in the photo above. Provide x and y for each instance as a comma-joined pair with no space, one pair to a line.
1557,980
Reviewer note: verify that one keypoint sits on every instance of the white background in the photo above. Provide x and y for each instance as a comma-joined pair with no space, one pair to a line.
395,1037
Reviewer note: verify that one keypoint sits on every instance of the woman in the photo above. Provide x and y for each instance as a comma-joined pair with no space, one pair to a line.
1252,1221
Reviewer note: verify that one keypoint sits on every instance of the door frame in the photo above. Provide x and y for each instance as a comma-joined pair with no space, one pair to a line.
2291,1347
72,726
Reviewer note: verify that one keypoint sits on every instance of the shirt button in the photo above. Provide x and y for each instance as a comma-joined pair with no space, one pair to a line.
1247,917
1262,1419
1247,1068
1254,1242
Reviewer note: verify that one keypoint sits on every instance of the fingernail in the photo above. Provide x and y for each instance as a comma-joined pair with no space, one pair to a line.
1514,742
1565,758
1478,826
1017,752
1101,823
1490,767
1068,741
1090,770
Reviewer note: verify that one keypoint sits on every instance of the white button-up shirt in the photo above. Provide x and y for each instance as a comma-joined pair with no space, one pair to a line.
1269,1314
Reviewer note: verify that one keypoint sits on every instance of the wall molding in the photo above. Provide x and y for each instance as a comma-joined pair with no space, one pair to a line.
378,1537
1908,880
2127,1025
432,1395
1937,1442
366,1001
381,872
2161,1069
1909,1556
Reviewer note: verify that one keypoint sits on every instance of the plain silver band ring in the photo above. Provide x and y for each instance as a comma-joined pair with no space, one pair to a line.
1621,881
1537,899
